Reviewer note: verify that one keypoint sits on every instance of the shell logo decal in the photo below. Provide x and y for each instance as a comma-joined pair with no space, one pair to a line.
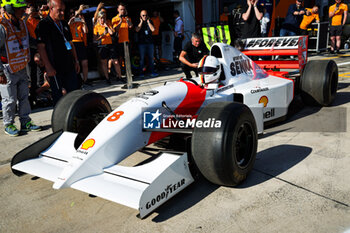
264,100
88,144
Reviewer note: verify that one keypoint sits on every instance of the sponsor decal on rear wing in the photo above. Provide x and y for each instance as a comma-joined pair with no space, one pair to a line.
282,46
272,43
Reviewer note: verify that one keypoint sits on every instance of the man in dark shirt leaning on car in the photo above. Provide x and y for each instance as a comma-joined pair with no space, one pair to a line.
192,53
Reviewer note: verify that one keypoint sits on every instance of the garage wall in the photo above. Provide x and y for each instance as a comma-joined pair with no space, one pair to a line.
187,13
210,11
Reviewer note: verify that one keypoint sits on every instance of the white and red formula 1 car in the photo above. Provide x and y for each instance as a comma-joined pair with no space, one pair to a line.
222,118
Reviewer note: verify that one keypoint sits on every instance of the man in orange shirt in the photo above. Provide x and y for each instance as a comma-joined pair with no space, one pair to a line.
157,36
103,32
309,17
121,24
338,14
79,32
32,21
224,15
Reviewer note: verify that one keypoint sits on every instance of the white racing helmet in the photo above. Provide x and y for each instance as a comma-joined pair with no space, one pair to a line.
209,69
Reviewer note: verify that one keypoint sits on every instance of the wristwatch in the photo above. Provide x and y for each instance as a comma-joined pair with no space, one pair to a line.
1,73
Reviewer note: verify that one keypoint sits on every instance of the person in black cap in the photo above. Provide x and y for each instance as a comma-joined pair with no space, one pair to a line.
290,26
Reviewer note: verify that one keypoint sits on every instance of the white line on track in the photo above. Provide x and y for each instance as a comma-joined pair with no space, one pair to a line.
344,64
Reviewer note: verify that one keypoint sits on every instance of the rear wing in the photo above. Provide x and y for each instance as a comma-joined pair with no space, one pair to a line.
281,46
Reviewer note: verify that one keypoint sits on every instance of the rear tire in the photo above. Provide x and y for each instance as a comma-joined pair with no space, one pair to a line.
226,155
79,112
319,83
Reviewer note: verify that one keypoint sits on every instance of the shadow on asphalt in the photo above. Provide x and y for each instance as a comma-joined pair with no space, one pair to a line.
270,133
189,197
107,94
299,120
43,128
342,85
342,98
297,109
272,161
40,109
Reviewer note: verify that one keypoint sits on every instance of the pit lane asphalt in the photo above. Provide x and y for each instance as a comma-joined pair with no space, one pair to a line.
300,181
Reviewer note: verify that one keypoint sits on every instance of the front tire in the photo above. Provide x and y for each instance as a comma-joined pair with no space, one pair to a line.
226,155
79,112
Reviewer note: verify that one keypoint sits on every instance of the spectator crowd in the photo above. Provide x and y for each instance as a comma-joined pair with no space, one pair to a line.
298,20
51,47
44,49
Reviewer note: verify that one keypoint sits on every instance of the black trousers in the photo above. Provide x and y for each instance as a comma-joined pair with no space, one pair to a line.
187,70
68,81
33,75
177,46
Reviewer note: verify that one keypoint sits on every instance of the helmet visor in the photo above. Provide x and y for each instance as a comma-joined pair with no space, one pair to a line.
207,70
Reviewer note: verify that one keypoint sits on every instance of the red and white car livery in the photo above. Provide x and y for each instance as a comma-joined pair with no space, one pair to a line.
85,150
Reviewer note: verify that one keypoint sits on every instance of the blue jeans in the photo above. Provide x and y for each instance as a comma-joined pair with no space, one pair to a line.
286,32
148,50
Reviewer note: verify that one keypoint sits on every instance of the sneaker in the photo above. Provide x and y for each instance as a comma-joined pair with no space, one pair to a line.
154,75
30,126
331,52
339,52
108,81
11,130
